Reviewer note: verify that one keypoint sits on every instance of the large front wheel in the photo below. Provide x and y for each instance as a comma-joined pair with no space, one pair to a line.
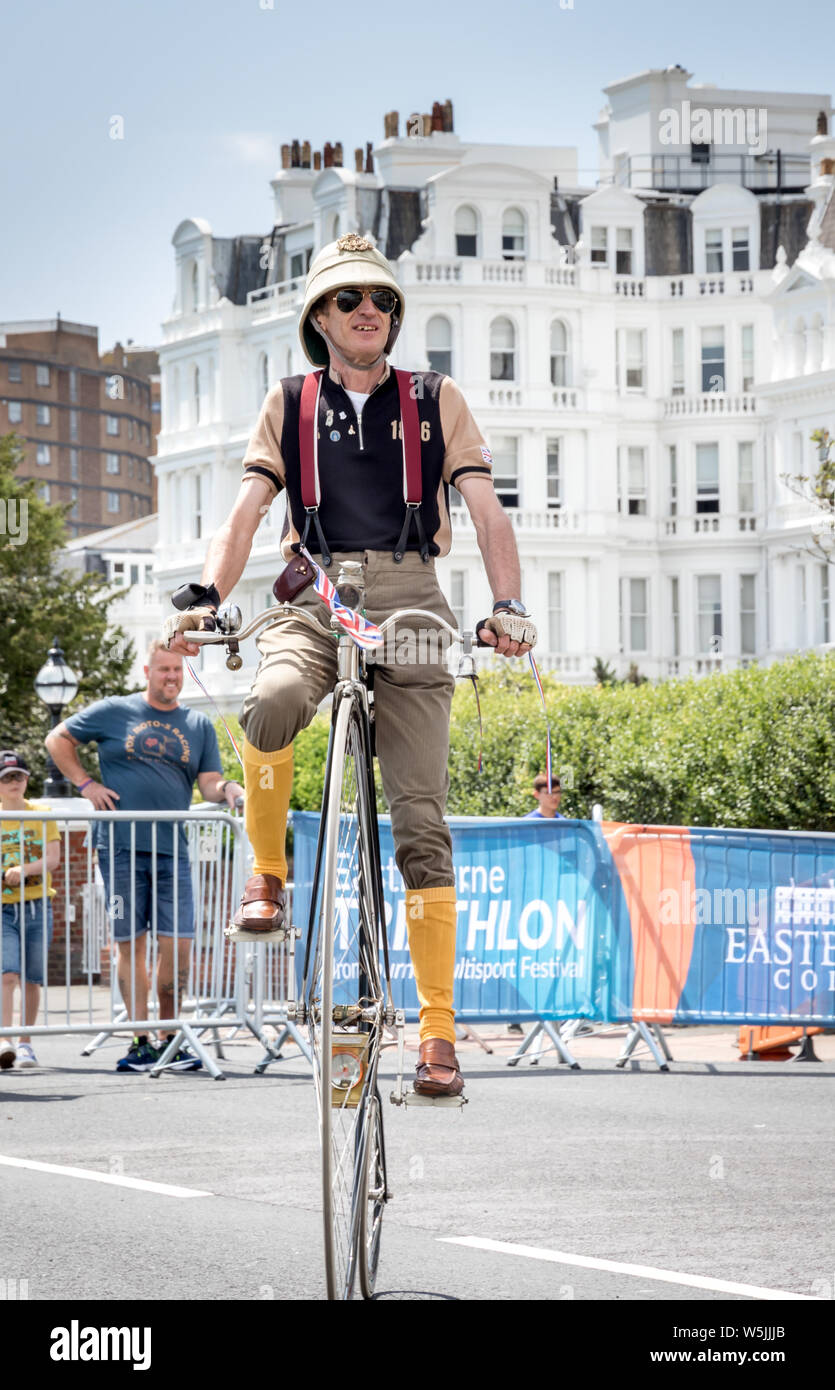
345,1003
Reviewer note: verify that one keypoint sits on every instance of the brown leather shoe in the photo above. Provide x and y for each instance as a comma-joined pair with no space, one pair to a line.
262,904
437,1069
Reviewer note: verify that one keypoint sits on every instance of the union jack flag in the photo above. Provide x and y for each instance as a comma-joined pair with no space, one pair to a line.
366,634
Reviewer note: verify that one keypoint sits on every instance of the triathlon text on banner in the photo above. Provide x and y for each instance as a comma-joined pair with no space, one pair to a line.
572,919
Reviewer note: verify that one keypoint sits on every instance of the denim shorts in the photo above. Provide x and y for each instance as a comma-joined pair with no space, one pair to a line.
132,901
28,942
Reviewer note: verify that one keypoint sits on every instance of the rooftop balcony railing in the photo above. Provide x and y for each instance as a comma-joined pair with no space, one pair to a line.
775,171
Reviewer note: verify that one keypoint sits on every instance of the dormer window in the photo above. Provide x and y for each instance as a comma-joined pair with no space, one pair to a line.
466,232
599,246
623,252
714,262
513,235
740,249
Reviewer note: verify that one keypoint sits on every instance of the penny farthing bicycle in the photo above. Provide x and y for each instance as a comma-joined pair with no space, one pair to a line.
346,998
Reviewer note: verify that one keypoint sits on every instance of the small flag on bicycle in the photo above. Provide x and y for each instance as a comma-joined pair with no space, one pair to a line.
363,632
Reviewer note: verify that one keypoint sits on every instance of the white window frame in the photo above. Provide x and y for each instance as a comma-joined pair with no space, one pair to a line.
634,612
740,248
709,629
678,382
43,415
465,212
711,359
560,356
672,480
748,615
15,412
746,491
503,352
553,472
714,250
556,611
43,455
519,249
624,247
42,374
631,348
746,355
113,502
675,615
112,425
599,246
633,492
439,352
505,450
111,463
705,496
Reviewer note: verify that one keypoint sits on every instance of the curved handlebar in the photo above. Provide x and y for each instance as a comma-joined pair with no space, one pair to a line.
269,615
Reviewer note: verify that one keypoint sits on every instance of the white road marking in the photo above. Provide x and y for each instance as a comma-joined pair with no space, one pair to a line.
665,1276
114,1179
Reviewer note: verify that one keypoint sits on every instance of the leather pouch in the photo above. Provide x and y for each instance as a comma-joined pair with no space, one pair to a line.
295,576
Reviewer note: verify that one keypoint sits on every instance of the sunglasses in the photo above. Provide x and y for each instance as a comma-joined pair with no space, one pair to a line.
14,777
349,300
543,787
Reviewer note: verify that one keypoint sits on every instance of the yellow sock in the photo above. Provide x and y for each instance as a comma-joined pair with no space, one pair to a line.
430,921
268,782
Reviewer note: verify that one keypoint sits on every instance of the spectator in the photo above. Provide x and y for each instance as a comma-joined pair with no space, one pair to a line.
548,799
26,883
151,751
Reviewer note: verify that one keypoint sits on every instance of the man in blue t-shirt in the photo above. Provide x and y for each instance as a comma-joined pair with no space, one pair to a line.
151,752
549,800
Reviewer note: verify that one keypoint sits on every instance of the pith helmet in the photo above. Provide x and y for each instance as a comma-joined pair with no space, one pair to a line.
351,260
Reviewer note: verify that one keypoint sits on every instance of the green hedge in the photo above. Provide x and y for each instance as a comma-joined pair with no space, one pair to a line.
749,748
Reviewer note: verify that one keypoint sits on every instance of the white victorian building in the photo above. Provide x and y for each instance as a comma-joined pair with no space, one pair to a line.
645,358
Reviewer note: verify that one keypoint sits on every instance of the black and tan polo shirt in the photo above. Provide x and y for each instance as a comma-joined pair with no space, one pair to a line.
361,461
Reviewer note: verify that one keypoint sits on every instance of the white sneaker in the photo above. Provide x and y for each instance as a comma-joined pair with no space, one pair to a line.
26,1055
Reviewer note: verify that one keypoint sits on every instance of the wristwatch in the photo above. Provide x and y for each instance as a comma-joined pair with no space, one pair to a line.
511,605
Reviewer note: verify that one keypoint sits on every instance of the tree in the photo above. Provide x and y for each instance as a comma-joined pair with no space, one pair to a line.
819,489
40,600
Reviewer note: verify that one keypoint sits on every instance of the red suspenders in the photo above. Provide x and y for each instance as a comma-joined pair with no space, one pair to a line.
309,459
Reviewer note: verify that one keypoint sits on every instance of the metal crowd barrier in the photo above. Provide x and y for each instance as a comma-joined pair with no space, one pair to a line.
216,984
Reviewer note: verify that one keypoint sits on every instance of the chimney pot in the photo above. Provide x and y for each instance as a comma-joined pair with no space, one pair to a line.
448,115
358,161
306,155
426,121
337,154
317,159
369,158
437,116
295,155
285,156
328,155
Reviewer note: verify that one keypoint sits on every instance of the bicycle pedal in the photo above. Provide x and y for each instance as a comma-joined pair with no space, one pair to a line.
414,1098
272,938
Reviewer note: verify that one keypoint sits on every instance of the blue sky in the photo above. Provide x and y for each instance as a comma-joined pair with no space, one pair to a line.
209,90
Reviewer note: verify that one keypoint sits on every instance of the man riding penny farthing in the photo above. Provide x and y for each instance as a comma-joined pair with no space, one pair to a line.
336,446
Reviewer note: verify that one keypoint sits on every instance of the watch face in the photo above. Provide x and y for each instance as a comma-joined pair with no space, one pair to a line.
512,605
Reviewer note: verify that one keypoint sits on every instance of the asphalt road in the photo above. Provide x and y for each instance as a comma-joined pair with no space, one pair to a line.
716,1171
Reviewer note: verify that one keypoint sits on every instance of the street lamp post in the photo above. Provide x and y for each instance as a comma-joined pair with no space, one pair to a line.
56,684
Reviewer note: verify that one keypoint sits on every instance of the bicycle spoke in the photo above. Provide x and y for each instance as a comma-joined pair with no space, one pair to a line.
345,980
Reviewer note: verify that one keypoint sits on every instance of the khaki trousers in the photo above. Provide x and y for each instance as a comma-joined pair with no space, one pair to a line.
412,697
